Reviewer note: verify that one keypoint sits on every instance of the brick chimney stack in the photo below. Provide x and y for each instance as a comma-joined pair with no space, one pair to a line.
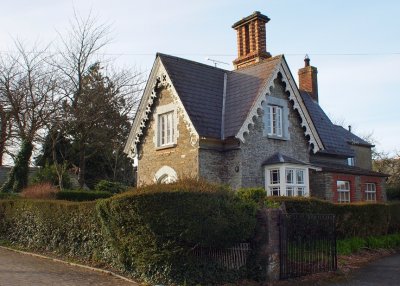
308,79
251,40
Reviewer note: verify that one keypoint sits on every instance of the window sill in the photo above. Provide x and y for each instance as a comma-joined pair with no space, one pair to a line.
277,137
166,147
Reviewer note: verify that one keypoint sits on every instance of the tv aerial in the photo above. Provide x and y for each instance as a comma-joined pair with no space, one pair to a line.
216,62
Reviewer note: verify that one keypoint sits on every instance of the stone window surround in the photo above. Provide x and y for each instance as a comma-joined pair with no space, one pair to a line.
282,103
165,171
162,109
282,173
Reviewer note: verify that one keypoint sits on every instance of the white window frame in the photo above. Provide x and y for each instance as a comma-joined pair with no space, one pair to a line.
165,175
274,127
344,190
370,192
287,185
276,118
350,161
166,117
165,129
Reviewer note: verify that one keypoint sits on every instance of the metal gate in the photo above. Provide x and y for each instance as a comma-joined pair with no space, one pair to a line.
307,244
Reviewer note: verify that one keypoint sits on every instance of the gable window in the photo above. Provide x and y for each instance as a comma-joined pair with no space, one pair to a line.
166,124
343,189
287,180
274,120
370,192
166,129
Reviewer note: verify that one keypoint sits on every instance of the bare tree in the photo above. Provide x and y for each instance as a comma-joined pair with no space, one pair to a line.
92,90
28,90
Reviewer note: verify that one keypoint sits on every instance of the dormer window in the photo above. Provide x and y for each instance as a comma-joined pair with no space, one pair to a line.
350,161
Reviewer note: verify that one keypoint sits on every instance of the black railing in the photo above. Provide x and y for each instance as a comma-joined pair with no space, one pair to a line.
307,244
234,257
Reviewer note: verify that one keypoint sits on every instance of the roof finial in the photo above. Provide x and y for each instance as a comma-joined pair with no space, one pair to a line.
306,61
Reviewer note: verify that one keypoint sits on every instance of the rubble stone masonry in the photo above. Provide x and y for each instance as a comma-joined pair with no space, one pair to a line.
183,157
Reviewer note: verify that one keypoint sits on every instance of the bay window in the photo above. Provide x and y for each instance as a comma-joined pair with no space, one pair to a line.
287,180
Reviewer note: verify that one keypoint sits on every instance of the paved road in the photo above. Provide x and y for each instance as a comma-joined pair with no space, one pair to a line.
383,272
18,269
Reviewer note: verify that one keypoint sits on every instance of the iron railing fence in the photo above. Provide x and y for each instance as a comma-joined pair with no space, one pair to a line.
234,257
307,244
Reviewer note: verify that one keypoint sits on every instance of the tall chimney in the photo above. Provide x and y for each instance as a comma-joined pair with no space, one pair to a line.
251,40
308,79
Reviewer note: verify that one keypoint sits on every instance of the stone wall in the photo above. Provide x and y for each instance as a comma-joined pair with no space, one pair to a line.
363,157
183,157
258,147
221,164
321,185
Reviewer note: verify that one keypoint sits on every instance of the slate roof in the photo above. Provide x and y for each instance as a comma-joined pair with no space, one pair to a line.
333,138
279,158
200,88
351,138
341,168
243,88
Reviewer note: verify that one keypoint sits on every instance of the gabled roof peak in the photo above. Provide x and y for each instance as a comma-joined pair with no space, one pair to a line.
161,55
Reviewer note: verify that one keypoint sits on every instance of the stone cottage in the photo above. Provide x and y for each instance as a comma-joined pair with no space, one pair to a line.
250,127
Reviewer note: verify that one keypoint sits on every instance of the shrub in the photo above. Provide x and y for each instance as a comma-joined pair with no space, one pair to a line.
149,234
8,196
48,174
40,191
352,220
155,229
67,228
110,187
81,195
256,195
393,193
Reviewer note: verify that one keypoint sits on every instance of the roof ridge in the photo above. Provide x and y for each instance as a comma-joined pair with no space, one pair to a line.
259,63
191,61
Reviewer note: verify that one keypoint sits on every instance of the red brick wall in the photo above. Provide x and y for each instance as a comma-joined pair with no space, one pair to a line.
357,187
344,177
378,181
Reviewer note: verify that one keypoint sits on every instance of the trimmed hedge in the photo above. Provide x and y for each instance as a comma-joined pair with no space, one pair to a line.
111,187
68,228
154,232
352,220
5,196
149,234
81,195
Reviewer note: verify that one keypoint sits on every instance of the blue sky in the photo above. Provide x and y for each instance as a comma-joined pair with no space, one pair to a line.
354,44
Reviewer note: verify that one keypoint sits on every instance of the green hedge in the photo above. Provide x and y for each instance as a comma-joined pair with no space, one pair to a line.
81,195
68,228
149,233
352,220
111,187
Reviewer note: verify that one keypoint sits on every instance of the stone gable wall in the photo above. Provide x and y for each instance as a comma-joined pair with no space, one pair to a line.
183,158
258,148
